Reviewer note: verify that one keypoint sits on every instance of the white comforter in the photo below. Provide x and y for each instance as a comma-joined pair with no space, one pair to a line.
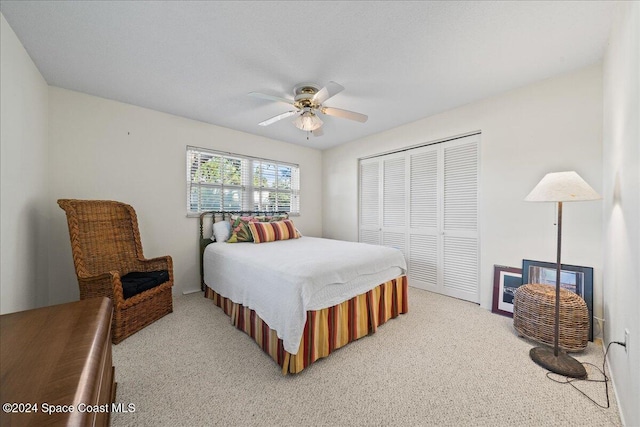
282,280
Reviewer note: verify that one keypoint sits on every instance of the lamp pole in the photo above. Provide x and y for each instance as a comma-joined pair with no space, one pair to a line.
558,270
557,361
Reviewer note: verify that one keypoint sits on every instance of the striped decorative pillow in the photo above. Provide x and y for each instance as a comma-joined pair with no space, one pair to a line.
240,231
263,232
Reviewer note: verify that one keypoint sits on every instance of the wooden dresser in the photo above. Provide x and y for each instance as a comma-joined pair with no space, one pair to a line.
57,359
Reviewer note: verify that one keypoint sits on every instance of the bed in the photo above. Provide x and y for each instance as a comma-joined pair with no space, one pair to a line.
299,298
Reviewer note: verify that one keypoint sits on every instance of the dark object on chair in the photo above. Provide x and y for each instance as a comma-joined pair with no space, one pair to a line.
107,254
137,282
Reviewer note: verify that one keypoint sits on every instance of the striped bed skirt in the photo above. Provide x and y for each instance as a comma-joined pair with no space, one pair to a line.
327,329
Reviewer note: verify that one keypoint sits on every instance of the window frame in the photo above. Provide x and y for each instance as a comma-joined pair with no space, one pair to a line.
248,188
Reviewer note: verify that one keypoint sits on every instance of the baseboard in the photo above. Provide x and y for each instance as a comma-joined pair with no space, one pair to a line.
191,291
615,392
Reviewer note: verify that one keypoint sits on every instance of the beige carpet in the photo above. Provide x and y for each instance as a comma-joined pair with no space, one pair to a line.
445,363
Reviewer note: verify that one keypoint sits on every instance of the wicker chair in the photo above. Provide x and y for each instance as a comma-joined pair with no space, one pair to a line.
105,243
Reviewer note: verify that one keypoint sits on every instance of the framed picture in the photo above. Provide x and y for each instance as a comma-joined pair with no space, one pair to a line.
572,278
505,282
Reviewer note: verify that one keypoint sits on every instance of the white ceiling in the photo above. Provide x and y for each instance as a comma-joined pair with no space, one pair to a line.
399,61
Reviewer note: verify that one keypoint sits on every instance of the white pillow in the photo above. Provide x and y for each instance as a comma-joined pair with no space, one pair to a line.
222,231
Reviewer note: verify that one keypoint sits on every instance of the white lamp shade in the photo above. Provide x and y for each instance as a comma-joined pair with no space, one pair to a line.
562,187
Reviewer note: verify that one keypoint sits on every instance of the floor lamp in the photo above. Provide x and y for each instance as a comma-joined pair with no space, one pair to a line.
560,187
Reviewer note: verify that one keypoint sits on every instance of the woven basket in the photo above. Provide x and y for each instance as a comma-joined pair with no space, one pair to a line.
534,316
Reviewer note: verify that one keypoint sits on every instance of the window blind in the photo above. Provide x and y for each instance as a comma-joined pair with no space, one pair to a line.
218,181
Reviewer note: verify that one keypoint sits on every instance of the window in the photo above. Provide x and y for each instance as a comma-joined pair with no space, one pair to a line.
219,181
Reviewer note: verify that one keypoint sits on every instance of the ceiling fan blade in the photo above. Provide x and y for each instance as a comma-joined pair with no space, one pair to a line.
318,132
271,97
345,114
331,89
278,117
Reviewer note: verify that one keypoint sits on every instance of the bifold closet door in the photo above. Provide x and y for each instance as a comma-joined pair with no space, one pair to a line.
424,201
369,203
394,199
383,196
443,215
425,244
460,268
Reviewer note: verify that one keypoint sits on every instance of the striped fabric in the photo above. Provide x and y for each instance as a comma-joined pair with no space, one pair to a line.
271,231
326,330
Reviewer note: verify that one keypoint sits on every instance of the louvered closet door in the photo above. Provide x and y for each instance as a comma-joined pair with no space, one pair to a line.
424,223
370,189
460,219
394,197
424,201
443,216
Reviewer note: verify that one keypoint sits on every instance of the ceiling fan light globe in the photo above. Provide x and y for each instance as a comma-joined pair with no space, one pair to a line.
307,121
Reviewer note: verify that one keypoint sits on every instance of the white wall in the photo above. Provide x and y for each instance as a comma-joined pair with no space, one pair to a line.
621,191
549,126
104,149
24,169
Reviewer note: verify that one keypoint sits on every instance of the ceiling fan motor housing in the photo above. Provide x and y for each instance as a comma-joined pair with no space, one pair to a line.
303,96
305,90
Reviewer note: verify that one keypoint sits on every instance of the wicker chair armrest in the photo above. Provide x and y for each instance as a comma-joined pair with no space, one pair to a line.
154,264
102,285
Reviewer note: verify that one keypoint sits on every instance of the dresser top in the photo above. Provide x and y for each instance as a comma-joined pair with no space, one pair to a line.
52,355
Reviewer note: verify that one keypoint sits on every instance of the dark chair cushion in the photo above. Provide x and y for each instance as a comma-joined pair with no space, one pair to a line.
137,281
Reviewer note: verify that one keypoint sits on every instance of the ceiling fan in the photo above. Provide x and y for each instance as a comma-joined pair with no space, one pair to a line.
308,102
